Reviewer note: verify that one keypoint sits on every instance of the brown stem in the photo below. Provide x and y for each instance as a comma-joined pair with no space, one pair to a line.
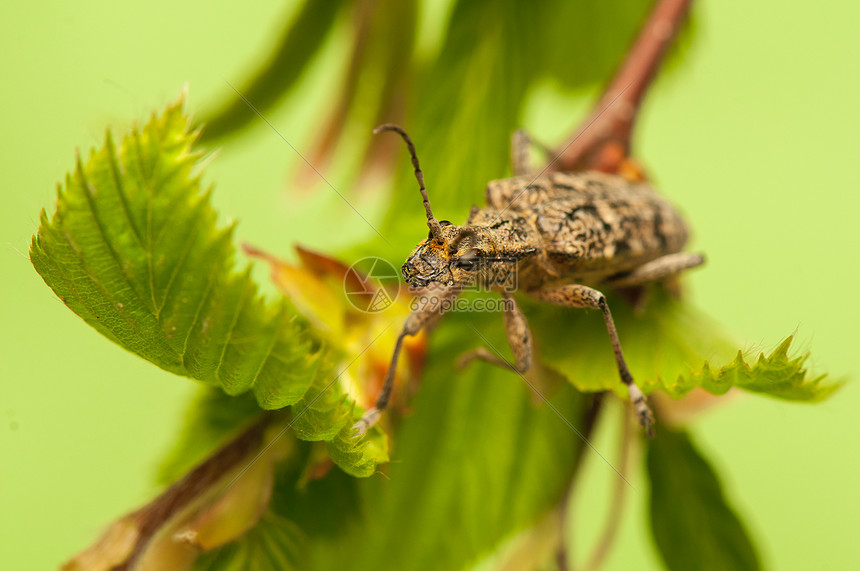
603,140
151,517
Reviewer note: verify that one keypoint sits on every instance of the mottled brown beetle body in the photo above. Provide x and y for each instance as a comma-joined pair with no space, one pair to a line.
567,228
554,237
591,225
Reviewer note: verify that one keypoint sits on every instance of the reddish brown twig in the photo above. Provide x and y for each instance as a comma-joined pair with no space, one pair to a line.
125,541
602,141
152,516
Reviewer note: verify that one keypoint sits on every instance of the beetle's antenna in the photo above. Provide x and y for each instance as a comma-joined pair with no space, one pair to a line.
432,223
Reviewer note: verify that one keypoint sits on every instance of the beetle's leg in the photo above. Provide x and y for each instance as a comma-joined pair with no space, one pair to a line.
473,212
423,316
576,295
521,162
542,257
662,267
519,339
520,145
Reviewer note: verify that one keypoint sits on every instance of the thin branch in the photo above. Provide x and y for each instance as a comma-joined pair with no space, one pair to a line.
155,514
606,141
122,545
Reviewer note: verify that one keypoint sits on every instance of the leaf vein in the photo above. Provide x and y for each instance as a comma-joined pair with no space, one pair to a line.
113,161
239,307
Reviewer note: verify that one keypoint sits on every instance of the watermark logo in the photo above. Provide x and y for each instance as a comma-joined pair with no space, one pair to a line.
485,274
427,303
371,284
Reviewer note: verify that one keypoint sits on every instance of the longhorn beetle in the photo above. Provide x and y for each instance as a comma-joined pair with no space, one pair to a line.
565,233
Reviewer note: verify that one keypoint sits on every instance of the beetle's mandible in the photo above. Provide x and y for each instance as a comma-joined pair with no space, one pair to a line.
561,236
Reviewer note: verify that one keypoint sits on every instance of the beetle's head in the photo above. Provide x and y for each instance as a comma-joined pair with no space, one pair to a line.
454,258
451,255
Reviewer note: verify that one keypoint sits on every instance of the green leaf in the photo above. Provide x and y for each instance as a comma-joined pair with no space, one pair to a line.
691,521
301,40
325,414
487,74
493,56
596,36
134,250
478,459
776,375
274,544
664,346
360,458
323,410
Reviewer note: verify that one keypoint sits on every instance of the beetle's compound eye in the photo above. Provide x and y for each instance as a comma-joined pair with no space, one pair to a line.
468,261
467,265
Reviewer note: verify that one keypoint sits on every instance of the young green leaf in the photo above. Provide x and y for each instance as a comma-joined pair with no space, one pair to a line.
134,250
358,459
323,411
325,414
480,457
776,375
665,346
302,38
274,544
691,521
491,74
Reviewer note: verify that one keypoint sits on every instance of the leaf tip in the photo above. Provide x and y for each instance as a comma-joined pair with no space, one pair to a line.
782,350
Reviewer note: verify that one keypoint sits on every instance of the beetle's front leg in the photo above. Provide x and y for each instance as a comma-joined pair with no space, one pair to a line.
521,162
519,338
422,317
576,295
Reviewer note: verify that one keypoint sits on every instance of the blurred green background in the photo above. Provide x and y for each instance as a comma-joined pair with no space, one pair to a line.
754,135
